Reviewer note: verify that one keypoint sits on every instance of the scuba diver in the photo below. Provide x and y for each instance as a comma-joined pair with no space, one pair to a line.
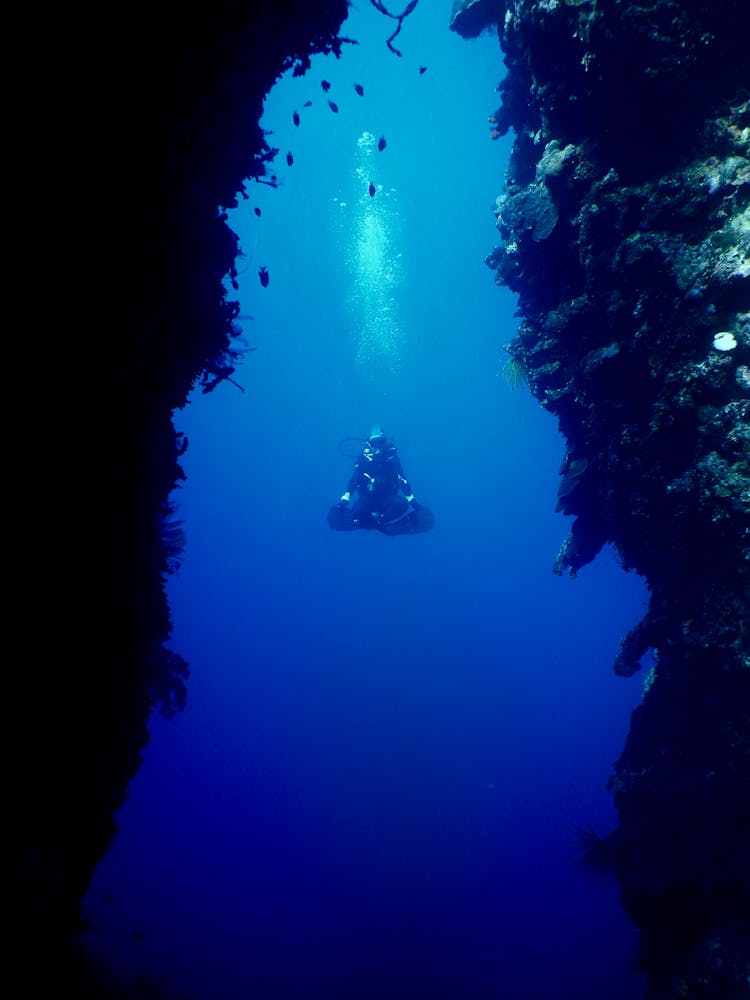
378,494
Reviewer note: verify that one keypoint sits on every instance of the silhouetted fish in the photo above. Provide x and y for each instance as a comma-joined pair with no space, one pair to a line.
360,89
325,85
289,159
257,212
422,69
381,144
333,107
371,189
295,118
307,104
263,275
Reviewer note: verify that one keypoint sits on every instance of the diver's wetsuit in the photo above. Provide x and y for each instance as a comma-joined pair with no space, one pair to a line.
381,488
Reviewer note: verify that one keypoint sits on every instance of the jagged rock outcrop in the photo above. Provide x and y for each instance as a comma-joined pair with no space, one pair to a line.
625,232
149,126
469,18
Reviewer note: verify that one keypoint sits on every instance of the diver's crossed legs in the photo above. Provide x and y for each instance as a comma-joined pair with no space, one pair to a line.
367,514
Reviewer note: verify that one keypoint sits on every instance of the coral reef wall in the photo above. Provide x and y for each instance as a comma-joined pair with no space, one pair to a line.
144,124
625,232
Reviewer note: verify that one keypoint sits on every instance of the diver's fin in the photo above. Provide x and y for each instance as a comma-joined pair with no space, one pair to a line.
414,523
341,519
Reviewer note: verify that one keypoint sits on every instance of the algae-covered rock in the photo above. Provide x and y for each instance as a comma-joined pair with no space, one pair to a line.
624,232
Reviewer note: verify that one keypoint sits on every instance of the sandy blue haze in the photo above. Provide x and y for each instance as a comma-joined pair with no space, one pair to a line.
389,743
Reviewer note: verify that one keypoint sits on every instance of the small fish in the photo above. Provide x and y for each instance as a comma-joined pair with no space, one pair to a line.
263,275
325,85
307,104
257,212
371,189
422,69
381,144
289,159
295,117
334,107
360,89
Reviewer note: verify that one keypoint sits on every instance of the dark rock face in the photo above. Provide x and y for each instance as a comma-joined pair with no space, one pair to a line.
149,126
625,232
469,18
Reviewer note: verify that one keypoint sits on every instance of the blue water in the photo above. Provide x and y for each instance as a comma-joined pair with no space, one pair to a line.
389,743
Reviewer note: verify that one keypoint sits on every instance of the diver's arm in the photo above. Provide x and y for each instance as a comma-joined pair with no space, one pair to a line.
351,487
354,479
401,481
405,488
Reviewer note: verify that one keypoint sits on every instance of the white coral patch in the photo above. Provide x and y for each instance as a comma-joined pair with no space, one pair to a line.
724,341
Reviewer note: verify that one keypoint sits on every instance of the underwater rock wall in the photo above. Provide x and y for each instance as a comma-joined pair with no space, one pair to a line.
148,124
625,232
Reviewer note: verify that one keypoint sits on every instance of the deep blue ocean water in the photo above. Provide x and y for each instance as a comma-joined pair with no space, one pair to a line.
389,743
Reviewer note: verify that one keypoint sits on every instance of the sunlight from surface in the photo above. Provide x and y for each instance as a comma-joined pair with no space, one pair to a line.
374,263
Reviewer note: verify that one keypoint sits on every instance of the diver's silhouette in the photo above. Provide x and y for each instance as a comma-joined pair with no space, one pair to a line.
378,495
